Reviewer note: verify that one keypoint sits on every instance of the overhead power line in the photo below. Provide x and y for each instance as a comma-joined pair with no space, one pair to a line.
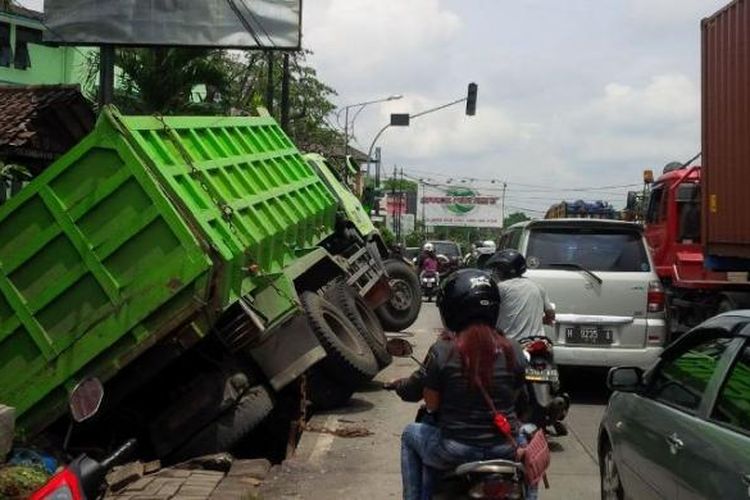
535,187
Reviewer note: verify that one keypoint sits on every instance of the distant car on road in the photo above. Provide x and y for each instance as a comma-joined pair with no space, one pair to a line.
682,429
451,250
609,302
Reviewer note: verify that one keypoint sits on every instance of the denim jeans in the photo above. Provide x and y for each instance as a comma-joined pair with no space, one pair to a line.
425,454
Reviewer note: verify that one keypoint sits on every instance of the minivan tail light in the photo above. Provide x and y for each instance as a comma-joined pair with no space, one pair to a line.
655,299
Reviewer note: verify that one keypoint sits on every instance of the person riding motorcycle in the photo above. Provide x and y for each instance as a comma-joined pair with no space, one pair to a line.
524,305
427,263
471,357
427,260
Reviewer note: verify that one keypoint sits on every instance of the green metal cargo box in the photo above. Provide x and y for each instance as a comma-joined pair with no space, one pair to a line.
149,223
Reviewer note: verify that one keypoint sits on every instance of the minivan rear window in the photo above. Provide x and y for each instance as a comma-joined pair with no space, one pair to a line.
593,249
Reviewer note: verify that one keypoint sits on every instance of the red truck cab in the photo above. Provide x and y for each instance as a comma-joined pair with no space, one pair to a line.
672,227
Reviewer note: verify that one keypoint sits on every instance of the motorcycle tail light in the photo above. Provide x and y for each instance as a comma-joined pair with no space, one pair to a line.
655,297
499,489
62,486
537,347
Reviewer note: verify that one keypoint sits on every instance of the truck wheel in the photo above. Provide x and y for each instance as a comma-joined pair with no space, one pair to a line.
402,309
325,393
227,430
354,306
349,360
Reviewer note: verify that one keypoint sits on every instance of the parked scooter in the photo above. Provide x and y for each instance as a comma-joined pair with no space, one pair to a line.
83,478
497,479
430,283
549,405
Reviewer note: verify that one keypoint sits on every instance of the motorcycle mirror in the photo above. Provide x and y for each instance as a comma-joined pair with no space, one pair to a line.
85,399
399,348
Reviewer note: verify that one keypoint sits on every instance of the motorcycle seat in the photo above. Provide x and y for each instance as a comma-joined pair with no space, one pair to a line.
498,466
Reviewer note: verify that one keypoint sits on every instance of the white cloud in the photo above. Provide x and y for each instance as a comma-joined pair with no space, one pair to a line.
367,39
658,120
665,14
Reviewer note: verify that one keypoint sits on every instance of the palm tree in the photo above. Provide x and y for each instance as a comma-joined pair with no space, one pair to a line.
162,80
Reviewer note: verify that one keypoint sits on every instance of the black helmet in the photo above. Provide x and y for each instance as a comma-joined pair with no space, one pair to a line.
467,297
507,263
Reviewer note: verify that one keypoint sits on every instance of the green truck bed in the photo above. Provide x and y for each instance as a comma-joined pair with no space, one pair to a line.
148,225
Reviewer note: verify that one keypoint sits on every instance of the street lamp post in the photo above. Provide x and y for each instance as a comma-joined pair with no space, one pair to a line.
361,106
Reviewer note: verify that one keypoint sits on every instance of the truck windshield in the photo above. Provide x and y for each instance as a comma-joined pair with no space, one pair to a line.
593,249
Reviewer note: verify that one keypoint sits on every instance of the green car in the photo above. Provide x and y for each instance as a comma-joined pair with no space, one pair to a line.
682,428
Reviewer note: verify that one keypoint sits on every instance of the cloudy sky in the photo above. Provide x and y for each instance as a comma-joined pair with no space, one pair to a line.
574,93
571,93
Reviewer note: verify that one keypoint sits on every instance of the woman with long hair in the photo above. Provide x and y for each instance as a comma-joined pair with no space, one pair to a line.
464,369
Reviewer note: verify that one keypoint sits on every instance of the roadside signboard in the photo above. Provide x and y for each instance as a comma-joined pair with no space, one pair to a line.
464,206
271,24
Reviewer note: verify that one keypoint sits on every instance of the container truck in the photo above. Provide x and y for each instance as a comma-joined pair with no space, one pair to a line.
188,262
696,220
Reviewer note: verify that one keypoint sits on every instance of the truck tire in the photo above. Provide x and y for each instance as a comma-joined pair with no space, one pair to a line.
402,309
325,393
227,430
355,307
349,359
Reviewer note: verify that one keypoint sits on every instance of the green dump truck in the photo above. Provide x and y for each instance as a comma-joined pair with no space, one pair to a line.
198,266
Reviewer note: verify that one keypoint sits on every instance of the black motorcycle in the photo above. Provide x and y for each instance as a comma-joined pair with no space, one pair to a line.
497,479
430,283
549,405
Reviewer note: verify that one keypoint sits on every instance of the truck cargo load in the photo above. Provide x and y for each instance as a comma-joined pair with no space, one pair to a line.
581,209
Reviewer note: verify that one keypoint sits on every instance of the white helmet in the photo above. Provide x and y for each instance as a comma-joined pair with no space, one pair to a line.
428,247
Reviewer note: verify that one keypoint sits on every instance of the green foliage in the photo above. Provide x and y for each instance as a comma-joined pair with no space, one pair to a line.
388,237
403,185
162,80
219,82
19,481
514,218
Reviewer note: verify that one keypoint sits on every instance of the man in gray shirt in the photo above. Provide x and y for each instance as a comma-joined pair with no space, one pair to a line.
524,305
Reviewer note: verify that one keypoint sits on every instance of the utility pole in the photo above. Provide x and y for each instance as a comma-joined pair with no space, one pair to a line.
393,197
424,226
269,82
285,94
346,132
106,74
401,199
502,205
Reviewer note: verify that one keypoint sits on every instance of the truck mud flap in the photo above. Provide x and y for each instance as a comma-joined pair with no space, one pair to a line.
287,351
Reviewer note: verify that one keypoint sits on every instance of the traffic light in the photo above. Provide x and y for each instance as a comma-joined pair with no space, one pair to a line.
471,100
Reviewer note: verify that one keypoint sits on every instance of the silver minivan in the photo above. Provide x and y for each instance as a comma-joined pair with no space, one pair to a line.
609,302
